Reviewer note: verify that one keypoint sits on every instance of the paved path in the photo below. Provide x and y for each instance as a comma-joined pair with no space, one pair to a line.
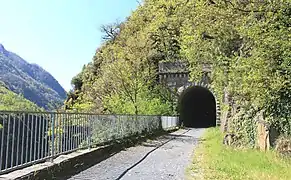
164,158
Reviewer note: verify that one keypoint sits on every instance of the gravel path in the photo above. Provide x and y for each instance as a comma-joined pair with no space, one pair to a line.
164,158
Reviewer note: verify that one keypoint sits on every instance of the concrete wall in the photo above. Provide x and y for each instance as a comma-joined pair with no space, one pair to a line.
169,122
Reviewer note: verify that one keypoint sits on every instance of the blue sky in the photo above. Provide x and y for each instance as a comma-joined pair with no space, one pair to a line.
59,35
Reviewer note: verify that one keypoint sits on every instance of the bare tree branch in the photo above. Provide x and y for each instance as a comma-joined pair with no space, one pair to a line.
111,31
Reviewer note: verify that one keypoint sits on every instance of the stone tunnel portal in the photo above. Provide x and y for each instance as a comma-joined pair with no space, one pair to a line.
197,108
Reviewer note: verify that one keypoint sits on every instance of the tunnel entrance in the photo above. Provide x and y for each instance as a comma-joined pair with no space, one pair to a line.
197,108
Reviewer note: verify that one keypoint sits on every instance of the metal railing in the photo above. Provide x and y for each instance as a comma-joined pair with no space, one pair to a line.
27,138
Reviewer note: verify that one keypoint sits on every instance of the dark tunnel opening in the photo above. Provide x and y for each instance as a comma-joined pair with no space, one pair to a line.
197,108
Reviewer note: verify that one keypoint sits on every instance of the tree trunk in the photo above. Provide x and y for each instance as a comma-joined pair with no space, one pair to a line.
226,114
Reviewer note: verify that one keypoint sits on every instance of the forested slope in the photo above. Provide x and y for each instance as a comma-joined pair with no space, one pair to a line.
248,44
9,101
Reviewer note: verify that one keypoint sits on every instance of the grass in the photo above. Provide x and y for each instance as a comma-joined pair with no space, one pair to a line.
213,160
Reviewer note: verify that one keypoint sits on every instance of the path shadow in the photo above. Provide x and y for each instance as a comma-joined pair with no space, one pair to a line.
87,163
114,147
180,138
169,138
177,137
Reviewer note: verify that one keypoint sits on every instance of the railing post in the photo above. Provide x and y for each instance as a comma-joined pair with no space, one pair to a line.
90,131
53,137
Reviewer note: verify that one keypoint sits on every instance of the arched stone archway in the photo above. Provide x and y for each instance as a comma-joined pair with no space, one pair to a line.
197,107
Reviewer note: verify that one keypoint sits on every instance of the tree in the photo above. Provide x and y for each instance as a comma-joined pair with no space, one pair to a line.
77,82
111,31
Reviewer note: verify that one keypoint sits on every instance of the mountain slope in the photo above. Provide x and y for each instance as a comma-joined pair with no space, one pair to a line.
31,80
11,101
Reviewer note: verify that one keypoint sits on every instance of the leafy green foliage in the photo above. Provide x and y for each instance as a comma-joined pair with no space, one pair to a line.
248,45
146,104
9,101
122,78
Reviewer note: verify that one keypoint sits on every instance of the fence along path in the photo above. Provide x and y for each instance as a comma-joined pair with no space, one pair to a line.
28,138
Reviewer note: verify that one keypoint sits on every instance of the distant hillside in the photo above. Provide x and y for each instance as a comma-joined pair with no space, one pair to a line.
30,80
10,101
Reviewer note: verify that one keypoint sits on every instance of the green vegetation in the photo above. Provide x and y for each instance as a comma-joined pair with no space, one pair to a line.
213,160
9,101
123,75
247,44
